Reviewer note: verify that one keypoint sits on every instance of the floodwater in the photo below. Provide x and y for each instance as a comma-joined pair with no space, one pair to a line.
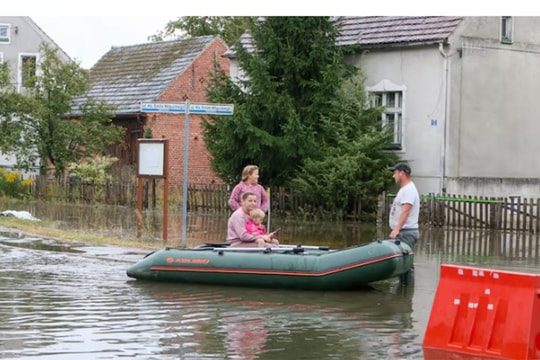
73,301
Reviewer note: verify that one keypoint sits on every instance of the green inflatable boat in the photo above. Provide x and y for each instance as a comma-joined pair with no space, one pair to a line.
295,267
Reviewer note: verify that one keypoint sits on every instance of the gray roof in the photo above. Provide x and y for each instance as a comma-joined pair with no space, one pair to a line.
128,75
381,31
384,31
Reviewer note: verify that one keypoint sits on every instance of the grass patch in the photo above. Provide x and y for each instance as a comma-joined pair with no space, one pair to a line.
47,229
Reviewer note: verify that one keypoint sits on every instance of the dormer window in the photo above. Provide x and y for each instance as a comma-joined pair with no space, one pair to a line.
506,30
5,32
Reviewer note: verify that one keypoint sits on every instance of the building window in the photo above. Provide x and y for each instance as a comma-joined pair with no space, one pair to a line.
391,98
27,69
392,103
506,29
5,32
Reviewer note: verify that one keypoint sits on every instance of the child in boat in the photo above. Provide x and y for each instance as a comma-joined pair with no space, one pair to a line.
255,225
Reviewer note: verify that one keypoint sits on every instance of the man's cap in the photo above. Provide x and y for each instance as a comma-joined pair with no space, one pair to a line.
402,167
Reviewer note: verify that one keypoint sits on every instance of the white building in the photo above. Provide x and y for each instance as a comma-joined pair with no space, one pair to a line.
20,41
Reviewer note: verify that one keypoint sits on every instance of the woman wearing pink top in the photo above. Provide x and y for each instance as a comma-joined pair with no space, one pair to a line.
249,183
237,235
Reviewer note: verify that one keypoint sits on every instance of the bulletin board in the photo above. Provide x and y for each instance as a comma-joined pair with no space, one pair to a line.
152,158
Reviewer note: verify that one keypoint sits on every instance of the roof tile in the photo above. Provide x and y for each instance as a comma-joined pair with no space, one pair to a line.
393,30
385,30
128,75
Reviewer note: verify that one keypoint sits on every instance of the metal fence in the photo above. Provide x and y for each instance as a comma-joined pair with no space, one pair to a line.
461,211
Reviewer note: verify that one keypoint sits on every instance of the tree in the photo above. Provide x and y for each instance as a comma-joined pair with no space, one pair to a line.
45,125
289,85
12,107
301,114
229,28
354,166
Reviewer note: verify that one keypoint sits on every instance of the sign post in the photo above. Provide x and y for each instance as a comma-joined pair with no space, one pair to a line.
187,108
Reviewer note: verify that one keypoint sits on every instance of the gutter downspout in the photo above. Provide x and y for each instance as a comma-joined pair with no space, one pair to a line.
446,77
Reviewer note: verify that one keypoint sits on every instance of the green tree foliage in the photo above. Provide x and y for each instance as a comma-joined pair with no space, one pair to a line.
354,165
289,85
229,28
301,115
13,106
44,125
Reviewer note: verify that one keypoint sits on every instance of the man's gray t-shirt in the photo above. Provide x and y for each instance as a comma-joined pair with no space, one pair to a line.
406,195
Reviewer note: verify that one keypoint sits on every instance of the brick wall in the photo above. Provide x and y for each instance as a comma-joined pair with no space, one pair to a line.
190,86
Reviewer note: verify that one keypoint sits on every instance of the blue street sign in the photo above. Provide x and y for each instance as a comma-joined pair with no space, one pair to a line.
180,108
164,108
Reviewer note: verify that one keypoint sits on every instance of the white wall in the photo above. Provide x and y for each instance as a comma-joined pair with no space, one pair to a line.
493,133
421,71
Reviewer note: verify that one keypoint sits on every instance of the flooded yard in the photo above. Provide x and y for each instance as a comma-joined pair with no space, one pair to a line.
66,301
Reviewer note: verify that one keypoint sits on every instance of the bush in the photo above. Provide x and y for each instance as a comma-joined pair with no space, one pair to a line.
12,184
93,171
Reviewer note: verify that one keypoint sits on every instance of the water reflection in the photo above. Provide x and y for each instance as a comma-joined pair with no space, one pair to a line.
121,222
68,302
270,324
62,306
20,240
471,247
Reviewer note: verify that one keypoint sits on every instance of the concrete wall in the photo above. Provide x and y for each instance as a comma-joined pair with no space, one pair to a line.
493,131
421,72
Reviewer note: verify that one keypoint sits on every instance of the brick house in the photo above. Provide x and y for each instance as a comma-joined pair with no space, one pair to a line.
167,71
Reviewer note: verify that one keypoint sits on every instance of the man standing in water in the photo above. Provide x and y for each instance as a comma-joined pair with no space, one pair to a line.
403,219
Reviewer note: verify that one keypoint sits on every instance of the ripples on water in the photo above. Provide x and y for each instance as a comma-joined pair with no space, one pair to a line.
75,302
62,305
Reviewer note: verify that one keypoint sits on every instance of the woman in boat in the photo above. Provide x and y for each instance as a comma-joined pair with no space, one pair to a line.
250,182
237,234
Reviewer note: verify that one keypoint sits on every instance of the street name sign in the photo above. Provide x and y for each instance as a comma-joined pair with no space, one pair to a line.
193,108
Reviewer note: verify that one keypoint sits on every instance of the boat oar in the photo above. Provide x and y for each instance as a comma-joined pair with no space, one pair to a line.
307,247
265,250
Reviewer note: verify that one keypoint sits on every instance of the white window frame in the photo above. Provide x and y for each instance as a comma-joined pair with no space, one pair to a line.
20,85
5,33
386,91
507,30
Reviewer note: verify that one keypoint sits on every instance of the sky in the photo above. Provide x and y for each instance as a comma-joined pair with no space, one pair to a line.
87,30
87,38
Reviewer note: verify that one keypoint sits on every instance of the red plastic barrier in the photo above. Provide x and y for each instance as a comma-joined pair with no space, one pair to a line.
486,313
